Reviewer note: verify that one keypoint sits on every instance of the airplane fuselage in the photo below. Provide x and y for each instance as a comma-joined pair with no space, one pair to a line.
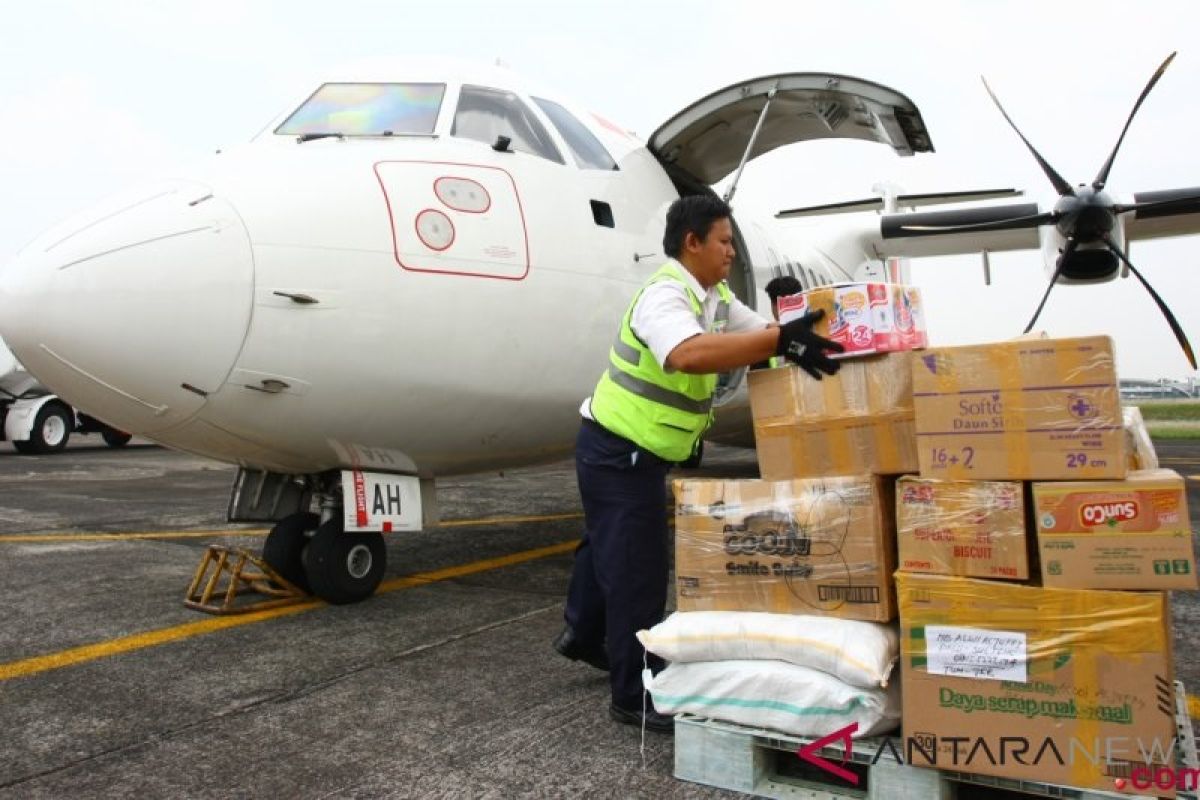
426,304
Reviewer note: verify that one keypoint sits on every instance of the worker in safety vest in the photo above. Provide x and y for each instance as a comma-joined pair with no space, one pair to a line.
648,412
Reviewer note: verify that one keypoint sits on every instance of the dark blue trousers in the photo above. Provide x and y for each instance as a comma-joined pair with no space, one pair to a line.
619,583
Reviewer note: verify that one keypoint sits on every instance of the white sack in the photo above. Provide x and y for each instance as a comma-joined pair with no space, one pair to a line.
859,653
775,695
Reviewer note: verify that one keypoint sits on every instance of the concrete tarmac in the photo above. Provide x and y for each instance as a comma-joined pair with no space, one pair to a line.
442,685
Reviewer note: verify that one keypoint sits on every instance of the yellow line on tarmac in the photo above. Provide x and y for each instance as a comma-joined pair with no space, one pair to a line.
33,538
462,523
47,538
1193,704
139,641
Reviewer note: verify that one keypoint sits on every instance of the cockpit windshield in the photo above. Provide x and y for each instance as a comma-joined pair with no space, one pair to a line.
367,109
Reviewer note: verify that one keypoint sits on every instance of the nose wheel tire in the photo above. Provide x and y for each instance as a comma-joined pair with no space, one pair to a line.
116,438
344,566
51,429
284,548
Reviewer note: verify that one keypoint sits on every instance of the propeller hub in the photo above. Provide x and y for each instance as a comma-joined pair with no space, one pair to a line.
1087,216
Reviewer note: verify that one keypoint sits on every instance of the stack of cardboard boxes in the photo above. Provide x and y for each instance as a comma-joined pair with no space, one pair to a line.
1032,562
1024,517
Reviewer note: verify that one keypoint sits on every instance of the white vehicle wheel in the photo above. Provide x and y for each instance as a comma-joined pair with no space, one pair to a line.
51,429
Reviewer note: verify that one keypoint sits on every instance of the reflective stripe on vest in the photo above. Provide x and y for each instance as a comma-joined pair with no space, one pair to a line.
665,413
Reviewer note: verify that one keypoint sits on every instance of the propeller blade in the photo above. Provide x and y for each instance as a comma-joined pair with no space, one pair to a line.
1060,185
1187,205
1102,177
1062,259
1031,221
1180,336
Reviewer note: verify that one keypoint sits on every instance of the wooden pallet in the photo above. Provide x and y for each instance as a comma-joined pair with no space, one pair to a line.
764,763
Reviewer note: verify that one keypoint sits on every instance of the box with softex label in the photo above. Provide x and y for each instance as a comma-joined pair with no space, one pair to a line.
1034,409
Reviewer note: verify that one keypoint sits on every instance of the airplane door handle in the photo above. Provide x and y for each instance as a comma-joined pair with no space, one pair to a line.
295,297
270,386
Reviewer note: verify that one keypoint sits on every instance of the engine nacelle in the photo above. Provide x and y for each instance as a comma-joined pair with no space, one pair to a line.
1091,262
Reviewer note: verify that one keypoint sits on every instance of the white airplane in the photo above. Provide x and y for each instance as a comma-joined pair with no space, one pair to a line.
417,271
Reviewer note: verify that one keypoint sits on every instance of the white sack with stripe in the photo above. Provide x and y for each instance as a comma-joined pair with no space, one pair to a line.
859,653
775,695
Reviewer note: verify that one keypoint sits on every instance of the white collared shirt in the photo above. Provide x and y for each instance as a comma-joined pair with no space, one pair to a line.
663,318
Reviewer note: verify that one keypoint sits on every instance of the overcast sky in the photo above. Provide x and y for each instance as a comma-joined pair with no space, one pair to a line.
102,93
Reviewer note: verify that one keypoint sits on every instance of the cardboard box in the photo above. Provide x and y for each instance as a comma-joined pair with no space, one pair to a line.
1130,534
1062,686
1041,409
972,528
865,318
855,422
790,547
1138,445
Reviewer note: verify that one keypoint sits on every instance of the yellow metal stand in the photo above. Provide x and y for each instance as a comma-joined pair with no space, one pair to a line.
229,578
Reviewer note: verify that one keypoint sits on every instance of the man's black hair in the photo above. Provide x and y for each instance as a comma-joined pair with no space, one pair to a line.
695,213
783,286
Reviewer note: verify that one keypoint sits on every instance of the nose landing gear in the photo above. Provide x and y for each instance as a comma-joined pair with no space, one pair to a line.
323,558
326,529
344,566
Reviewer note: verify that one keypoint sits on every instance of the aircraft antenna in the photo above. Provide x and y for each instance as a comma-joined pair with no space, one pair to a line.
762,115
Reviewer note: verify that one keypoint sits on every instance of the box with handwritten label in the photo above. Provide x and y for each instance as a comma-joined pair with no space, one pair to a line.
1027,409
1062,686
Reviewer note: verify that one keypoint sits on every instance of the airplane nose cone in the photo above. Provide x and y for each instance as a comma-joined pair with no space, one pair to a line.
135,310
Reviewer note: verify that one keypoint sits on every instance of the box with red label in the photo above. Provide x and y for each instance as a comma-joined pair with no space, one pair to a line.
969,528
898,317
865,318
1130,534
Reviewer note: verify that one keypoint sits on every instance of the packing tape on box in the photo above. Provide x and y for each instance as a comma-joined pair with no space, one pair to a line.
1100,660
1055,623
805,546
1117,622
1004,363
847,445
967,528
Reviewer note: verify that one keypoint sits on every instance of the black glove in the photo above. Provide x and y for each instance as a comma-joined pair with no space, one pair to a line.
800,345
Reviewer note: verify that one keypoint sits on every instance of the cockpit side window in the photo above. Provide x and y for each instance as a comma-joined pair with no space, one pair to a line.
485,114
368,109
589,153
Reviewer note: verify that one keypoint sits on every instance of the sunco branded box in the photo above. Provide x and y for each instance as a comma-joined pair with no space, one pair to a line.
972,528
865,318
802,547
1041,409
1061,686
1130,534
855,422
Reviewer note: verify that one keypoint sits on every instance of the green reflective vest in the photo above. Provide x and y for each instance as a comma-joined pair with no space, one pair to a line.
665,413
